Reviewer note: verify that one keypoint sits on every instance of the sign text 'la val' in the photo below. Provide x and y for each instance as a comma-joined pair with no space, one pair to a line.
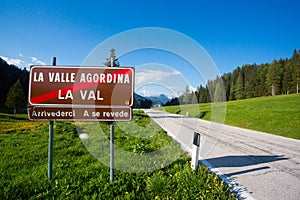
66,87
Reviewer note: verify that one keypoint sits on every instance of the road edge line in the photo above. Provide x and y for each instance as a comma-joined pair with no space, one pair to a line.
235,189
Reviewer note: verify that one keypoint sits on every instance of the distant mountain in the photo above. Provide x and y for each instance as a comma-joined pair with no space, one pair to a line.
138,97
160,99
140,101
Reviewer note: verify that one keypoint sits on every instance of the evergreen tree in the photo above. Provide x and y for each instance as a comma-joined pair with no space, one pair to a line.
210,89
218,96
8,77
172,102
227,84
146,103
287,81
112,57
187,97
278,77
282,63
202,94
239,94
194,98
208,95
15,97
261,85
250,81
274,77
233,84
295,62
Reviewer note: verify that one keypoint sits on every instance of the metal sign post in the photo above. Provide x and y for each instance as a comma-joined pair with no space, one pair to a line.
111,144
50,158
80,93
112,153
195,154
50,150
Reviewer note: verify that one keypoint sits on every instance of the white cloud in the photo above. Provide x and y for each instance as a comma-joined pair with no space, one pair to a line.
13,61
151,90
153,76
191,88
153,82
36,61
23,61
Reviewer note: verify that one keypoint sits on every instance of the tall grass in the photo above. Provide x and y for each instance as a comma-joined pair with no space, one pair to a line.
79,175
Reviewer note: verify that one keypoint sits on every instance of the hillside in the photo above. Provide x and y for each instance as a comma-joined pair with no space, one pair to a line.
159,99
249,81
8,76
277,115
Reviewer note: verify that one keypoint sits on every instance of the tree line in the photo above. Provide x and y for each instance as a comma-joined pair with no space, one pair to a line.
279,77
14,86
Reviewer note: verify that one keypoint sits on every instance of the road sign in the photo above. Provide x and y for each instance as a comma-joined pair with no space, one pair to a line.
79,113
99,86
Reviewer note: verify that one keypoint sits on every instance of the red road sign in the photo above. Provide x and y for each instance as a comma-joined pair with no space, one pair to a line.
79,113
99,86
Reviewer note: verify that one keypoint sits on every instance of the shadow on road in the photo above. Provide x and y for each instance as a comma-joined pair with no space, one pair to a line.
247,171
242,161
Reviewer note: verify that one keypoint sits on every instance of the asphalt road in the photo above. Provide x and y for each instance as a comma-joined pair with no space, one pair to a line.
259,165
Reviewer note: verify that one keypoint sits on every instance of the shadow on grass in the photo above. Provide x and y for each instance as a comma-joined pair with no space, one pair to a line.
201,115
168,116
140,113
10,117
178,112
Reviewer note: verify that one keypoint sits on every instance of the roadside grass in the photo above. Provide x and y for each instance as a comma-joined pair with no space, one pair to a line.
79,175
277,115
16,124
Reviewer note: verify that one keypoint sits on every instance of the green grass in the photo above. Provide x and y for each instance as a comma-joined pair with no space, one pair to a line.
79,175
279,115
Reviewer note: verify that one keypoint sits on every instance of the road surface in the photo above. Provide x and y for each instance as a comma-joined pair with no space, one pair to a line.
260,165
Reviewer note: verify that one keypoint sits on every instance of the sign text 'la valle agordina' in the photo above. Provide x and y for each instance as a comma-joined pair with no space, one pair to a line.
80,93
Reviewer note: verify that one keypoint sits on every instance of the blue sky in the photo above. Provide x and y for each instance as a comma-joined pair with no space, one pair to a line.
233,33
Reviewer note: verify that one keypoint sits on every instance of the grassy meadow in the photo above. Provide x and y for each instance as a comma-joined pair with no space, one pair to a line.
279,115
79,175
